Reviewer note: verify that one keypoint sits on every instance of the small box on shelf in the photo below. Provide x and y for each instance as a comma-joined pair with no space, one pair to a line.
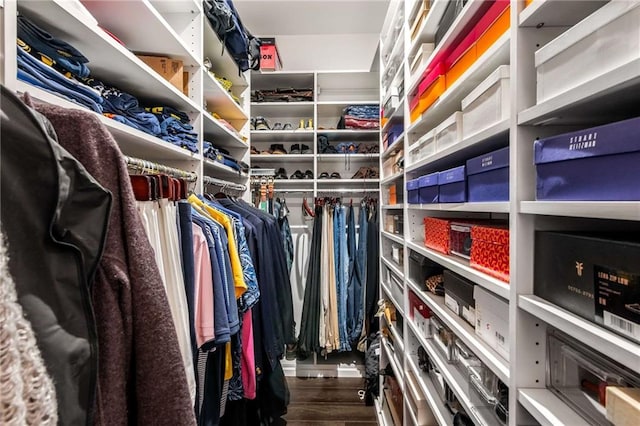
449,132
623,405
171,70
488,177
413,191
452,185
595,164
575,57
437,234
458,296
487,104
595,276
492,320
428,188
423,147
490,250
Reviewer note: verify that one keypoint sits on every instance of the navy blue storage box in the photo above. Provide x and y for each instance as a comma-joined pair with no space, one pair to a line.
452,186
413,191
596,164
428,185
488,176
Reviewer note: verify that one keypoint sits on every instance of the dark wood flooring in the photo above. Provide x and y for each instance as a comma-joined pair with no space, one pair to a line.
327,401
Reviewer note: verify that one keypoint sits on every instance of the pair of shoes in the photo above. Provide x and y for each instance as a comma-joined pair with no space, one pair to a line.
346,148
334,175
368,149
366,173
277,149
254,151
300,149
309,125
299,175
279,126
281,173
261,123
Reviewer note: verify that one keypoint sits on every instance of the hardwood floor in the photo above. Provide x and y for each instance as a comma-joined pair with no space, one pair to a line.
327,401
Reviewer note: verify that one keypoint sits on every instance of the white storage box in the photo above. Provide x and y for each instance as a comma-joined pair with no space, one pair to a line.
449,132
488,104
422,55
492,320
424,147
397,290
418,402
605,40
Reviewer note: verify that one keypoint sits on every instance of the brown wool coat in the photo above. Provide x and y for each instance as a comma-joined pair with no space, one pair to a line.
141,377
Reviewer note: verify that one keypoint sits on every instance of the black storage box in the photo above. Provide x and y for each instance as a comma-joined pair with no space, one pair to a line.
595,276
458,296
421,268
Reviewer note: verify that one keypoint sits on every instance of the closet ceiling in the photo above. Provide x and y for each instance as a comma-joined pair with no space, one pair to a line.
300,17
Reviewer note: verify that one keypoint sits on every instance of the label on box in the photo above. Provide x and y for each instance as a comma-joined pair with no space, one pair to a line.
617,300
469,313
452,303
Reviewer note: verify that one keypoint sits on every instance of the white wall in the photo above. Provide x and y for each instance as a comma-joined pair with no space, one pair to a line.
327,52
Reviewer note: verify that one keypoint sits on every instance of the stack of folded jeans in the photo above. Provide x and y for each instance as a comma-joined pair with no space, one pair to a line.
58,67
52,64
361,117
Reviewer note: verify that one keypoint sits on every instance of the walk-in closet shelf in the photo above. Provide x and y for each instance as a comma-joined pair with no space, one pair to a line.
604,98
180,31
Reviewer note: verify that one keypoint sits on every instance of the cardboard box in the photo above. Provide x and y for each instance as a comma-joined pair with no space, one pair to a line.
492,320
490,251
595,276
170,69
596,164
488,176
185,83
623,406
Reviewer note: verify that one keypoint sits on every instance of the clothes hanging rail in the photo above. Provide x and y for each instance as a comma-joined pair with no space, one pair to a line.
223,184
346,191
150,166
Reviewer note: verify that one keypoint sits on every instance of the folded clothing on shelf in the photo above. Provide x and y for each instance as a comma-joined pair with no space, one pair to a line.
60,53
363,111
39,74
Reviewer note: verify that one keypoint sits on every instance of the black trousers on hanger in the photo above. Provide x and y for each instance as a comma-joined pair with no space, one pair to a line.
373,274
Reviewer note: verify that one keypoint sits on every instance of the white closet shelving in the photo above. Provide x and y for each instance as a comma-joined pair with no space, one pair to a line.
530,317
332,92
180,31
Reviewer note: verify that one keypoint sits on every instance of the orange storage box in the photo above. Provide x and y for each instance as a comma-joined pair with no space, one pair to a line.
393,199
527,2
494,32
463,63
433,92
434,72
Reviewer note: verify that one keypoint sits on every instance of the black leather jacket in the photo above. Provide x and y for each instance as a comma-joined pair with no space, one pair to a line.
55,216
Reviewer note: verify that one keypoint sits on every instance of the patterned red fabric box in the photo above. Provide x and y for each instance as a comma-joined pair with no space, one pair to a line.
437,234
490,251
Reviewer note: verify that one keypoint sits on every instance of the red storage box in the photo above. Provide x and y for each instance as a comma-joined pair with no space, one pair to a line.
433,74
269,56
437,234
490,251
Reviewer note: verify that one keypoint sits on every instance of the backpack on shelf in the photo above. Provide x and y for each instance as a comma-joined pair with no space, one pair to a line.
243,47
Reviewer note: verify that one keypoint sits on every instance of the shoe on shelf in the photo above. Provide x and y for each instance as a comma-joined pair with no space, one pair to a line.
310,124
297,175
362,173
308,174
277,126
261,123
295,149
335,175
301,125
281,173
324,175
374,173
253,123
278,149
304,149
287,126
254,151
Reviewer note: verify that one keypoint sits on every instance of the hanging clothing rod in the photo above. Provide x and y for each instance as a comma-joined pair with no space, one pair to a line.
150,166
223,184
346,191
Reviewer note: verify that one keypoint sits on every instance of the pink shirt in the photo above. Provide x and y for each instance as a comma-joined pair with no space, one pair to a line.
248,357
203,298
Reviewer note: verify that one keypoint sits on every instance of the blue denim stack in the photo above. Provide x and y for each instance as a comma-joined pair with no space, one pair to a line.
363,112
